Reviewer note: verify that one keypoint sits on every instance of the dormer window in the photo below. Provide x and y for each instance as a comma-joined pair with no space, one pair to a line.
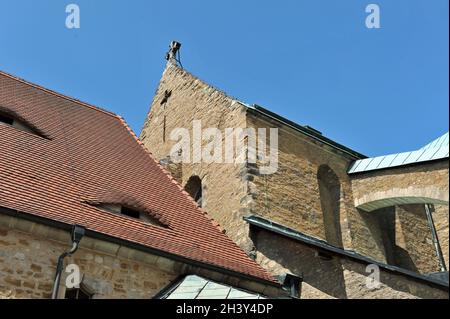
130,213
18,123
4,119
121,210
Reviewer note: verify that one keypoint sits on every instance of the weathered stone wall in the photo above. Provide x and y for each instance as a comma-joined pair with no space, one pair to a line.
408,237
338,277
28,266
440,217
414,248
411,243
298,196
29,252
311,192
292,196
191,100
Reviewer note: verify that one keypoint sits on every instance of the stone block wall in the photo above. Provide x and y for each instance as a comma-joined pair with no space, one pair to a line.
440,217
193,100
411,235
335,276
28,266
292,196
311,193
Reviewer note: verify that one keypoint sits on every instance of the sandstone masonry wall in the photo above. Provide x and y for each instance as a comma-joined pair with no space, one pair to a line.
338,277
193,100
311,192
412,242
28,266
292,196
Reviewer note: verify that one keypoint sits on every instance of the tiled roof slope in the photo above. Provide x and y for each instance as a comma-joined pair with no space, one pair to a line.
90,155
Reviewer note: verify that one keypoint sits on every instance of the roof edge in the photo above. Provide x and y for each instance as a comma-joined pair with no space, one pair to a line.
146,249
171,178
304,130
311,241
60,95
300,128
353,173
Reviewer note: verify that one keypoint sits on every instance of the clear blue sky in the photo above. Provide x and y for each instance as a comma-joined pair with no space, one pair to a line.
377,91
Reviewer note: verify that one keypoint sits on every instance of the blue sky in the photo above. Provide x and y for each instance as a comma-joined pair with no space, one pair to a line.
377,91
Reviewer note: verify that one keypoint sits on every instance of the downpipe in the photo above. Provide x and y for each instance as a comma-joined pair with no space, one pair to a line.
76,234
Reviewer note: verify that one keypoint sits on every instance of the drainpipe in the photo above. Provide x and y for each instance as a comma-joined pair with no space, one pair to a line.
76,234
435,238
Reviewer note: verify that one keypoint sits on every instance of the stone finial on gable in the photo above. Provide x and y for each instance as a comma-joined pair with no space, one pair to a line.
171,56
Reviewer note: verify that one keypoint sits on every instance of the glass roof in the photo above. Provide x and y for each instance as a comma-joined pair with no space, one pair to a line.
195,287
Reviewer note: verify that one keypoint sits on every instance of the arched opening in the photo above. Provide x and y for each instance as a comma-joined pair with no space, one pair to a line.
194,188
83,292
330,195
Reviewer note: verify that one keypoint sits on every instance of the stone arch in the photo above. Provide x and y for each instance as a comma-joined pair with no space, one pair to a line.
330,196
195,188
402,196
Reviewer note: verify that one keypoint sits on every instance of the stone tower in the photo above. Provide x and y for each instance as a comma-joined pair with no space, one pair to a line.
310,192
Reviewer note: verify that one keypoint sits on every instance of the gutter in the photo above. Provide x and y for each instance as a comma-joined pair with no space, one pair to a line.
317,243
122,242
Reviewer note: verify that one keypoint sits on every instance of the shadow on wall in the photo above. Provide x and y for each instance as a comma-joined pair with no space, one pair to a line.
405,235
395,255
330,195
335,276
325,275
413,239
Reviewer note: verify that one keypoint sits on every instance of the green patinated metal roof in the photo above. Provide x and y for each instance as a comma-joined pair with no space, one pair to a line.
437,149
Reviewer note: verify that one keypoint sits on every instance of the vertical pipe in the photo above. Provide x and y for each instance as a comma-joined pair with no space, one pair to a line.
435,238
59,269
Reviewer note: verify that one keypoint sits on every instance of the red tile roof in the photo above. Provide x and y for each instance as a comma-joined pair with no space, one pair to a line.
90,155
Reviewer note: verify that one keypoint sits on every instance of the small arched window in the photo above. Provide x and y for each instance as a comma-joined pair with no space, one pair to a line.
194,188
